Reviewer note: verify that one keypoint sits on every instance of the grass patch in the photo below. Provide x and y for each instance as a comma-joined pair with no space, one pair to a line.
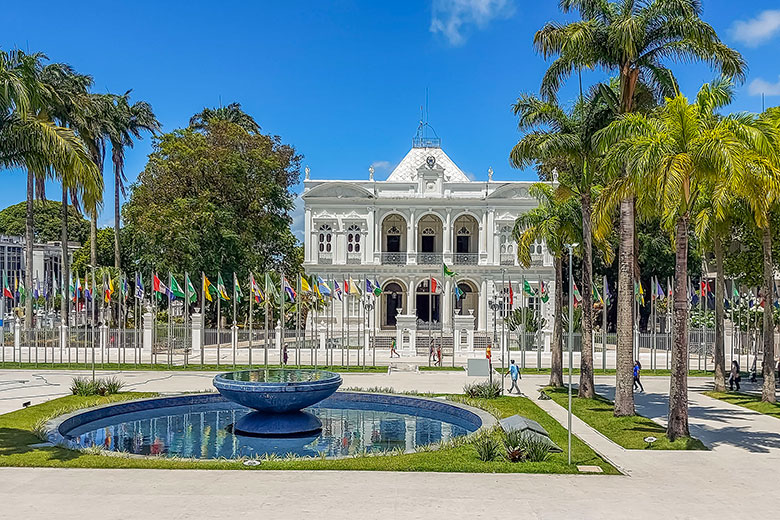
628,432
426,368
18,431
192,367
751,402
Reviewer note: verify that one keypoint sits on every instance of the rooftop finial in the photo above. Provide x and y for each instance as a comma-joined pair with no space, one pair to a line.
371,172
490,173
308,173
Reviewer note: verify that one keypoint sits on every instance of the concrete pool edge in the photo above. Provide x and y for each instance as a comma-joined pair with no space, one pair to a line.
55,427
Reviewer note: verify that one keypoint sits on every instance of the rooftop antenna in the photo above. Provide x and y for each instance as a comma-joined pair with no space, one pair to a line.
422,139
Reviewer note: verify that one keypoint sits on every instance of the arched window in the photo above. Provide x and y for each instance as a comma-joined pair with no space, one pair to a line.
353,239
326,239
507,243
536,248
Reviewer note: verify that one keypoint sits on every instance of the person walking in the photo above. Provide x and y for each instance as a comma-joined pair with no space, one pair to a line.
284,355
432,351
734,376
393,351
637,370
514,373
438,355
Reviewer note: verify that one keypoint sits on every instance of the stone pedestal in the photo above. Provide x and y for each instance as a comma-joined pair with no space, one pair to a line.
464,326
197,334
148,322
17,335
104,343
406,334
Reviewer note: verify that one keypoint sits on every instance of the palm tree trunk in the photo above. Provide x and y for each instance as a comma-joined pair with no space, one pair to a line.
93,238
678,386
586,363
28,251
768,368
556,349
624,380
720,340
117,181
64,267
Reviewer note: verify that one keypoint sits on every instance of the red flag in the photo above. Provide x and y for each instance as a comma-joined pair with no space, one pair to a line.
511,295
155,283
434,285
346,287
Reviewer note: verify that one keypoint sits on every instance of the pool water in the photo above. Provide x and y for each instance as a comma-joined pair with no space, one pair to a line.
204,431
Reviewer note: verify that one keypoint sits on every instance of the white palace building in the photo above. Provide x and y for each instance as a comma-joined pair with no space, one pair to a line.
400,231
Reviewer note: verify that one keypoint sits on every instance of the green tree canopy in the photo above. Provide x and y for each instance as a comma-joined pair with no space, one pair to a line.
47,222
213,199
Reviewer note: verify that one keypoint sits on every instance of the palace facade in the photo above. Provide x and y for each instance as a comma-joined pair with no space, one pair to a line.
401,231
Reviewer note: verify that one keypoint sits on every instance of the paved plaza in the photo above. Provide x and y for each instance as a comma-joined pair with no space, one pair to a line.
733,476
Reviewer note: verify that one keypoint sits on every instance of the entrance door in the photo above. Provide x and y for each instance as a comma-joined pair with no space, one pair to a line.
462,244
427,244
392,304
423,302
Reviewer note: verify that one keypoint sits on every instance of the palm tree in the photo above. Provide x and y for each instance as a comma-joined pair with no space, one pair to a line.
231,113
633,39
67,112
556,223
30,139
127,123
554,135
673,155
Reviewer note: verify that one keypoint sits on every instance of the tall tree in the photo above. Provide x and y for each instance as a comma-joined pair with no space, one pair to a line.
30,139
128,122
673,155
555,135
633,39
556,222
233,113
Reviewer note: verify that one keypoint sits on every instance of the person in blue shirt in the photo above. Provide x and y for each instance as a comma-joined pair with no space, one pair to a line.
637,382
514,373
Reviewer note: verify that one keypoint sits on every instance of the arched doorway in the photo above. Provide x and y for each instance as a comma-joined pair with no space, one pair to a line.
393,295
465,238
429,240
428,299
393,241
468,299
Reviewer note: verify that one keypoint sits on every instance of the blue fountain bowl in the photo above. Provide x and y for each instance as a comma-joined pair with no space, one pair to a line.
277,390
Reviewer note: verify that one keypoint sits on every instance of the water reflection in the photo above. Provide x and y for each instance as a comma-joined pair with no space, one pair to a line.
204,431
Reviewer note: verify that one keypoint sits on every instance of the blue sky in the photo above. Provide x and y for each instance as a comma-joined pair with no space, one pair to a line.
344,80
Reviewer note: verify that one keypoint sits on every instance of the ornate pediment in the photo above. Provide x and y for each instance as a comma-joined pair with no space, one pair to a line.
338,190
510,191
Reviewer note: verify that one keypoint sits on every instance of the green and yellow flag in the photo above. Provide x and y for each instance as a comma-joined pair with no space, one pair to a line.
221,288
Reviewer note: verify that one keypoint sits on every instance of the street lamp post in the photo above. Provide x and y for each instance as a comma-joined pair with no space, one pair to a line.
570,247
494,305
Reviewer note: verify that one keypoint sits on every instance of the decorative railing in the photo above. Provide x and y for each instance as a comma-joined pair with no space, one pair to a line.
354,258
508,259
466,258
325,258
394,258
429,258
425,325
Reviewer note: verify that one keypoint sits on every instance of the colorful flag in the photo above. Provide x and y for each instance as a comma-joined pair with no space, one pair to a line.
607,294
221,288
6,289
511,295
270,288
735,292
107,289
659,291
305,287
256,292
237,294
337,289
193,296
545,297
288,289
207,285
125,288
458,293
446,271
158,287
377,288
639,293
369,286
528,289
577,295
353,288
434,285
596,295
77,292
139,287
176,290
323,287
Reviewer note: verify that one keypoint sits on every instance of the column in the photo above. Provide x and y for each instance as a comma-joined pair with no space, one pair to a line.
411,297
493,258
370,236
307,235
148,322
447,249
482,315
447,303
104,343
197,332
411,238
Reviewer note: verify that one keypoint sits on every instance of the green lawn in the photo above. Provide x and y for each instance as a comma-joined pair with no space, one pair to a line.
609,372
16,438
628,432
193,367
751,402
450,368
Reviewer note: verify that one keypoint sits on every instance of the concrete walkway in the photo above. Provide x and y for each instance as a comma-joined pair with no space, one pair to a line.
737,475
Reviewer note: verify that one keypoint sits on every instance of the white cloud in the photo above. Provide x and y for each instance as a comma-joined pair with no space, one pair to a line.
381,165
453,18
297,216
758,30
760,86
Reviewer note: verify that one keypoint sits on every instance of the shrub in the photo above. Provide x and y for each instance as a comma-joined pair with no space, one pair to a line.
536,448
484,390
522,446
487,448
112,385
85,386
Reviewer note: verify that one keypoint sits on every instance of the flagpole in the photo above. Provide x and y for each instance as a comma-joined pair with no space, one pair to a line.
343,323
430,318
251,308
523,303
347,297
94,310
298,324
503,322
281,319
219,317
604,326
265,321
